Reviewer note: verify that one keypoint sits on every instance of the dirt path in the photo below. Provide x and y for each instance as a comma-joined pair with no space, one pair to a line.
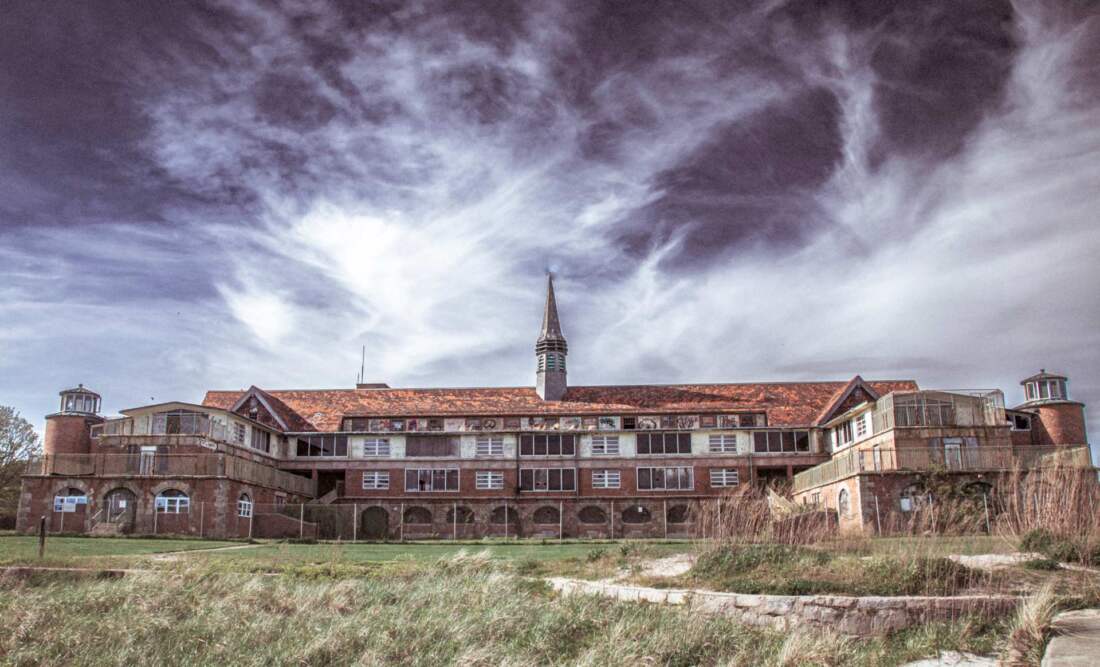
1078,640
174,555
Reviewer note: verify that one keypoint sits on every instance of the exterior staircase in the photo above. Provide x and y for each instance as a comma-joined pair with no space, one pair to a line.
329,497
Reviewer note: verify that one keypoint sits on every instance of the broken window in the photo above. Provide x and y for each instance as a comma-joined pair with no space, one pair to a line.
665,479
431,445
431,479
322,445
664,443
592,514
548,479
547,445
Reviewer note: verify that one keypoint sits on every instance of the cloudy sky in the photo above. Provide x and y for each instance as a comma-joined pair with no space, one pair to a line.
201,196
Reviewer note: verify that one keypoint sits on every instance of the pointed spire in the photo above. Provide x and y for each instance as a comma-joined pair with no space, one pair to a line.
551,326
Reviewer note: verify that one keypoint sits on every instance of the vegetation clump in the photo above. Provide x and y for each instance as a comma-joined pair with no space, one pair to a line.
790,570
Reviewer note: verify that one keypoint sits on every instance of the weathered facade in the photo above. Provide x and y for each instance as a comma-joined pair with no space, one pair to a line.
376,462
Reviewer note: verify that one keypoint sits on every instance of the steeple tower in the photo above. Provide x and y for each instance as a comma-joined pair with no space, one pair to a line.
550,349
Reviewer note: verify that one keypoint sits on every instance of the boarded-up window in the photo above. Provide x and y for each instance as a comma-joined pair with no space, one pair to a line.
418,515
498,515
678,514
463,514
427,445
592,514
548,479
547,514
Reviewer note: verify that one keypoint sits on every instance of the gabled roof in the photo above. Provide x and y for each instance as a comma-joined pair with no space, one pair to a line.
786,403
836,404
287,418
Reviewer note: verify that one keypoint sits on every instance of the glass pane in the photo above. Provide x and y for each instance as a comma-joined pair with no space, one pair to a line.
526,480
568,445
410,481
643,443
452,480
554,480
659,478
553,445
760,441
802,441
788,441
568,480
540,445
645,478
341,445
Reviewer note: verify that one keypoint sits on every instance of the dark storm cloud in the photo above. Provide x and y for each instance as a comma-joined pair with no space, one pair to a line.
268,186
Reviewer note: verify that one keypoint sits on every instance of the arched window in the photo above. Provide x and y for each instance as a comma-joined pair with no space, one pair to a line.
418,515
69,500
462,514
592,514
636,514
498,515
244,506
173,501
547,514
843,503
678,514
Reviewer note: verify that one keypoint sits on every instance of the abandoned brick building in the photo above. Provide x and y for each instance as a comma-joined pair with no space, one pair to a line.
598,461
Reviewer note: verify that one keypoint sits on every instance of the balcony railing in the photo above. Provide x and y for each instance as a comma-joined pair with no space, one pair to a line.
928,408
152,464
972,458
196,424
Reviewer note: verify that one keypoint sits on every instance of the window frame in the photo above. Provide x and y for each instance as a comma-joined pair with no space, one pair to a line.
431,476
530,445
245,506
609,445
381,447
720,478
678,437
174,504
607,478
664,477
489,480
547,474
720,443
381,480
493,445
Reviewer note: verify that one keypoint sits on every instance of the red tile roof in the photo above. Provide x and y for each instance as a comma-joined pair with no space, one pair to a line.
786,403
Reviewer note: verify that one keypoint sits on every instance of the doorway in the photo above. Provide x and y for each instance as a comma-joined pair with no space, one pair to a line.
121,507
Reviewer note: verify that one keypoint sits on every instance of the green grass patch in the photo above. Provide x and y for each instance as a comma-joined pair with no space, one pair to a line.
60,550
789,570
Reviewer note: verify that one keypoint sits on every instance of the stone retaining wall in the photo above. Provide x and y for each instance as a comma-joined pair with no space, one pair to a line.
860,616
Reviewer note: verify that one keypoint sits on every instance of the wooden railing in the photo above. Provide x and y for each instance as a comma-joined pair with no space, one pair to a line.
171,465
976,458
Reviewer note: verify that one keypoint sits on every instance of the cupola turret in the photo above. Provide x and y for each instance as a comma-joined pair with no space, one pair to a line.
1061,421
68,429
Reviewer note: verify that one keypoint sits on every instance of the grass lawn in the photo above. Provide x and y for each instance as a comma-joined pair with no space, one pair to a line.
24,549
421,552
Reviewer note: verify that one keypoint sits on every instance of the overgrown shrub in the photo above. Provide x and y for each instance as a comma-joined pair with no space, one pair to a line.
916,576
